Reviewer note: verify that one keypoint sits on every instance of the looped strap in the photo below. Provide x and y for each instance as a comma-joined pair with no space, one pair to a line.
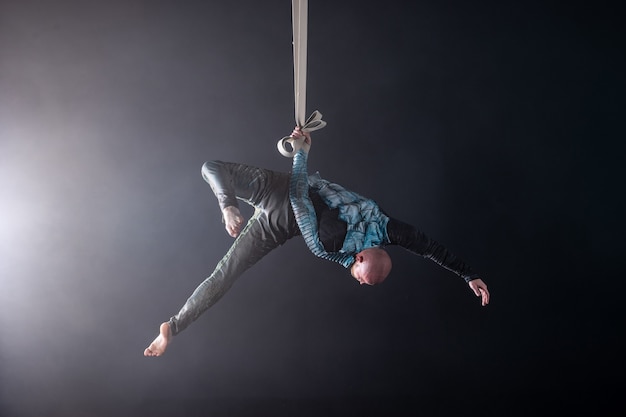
314,122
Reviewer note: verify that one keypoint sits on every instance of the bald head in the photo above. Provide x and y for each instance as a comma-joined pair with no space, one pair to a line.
371,266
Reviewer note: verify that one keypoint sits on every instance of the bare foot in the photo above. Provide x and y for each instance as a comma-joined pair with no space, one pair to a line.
158,345
233,220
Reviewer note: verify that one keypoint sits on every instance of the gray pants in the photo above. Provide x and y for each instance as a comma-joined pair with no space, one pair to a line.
271,225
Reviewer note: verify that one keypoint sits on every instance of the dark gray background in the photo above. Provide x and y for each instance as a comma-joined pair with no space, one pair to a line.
496,128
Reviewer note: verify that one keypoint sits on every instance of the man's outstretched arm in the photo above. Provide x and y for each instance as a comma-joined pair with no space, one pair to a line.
417,242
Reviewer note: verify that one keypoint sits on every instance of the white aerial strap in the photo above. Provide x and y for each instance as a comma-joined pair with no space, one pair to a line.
314,122
299,19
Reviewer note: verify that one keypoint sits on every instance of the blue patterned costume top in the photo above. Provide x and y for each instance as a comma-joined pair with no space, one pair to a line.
366,223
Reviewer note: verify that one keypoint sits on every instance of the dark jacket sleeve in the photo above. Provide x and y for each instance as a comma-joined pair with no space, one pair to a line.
415,241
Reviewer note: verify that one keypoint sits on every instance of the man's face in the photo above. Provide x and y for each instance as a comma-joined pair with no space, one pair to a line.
359,272
371,266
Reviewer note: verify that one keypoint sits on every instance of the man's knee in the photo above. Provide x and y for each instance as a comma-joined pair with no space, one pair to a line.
211,169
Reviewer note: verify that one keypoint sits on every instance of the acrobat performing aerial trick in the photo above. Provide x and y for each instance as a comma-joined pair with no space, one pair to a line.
337,224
